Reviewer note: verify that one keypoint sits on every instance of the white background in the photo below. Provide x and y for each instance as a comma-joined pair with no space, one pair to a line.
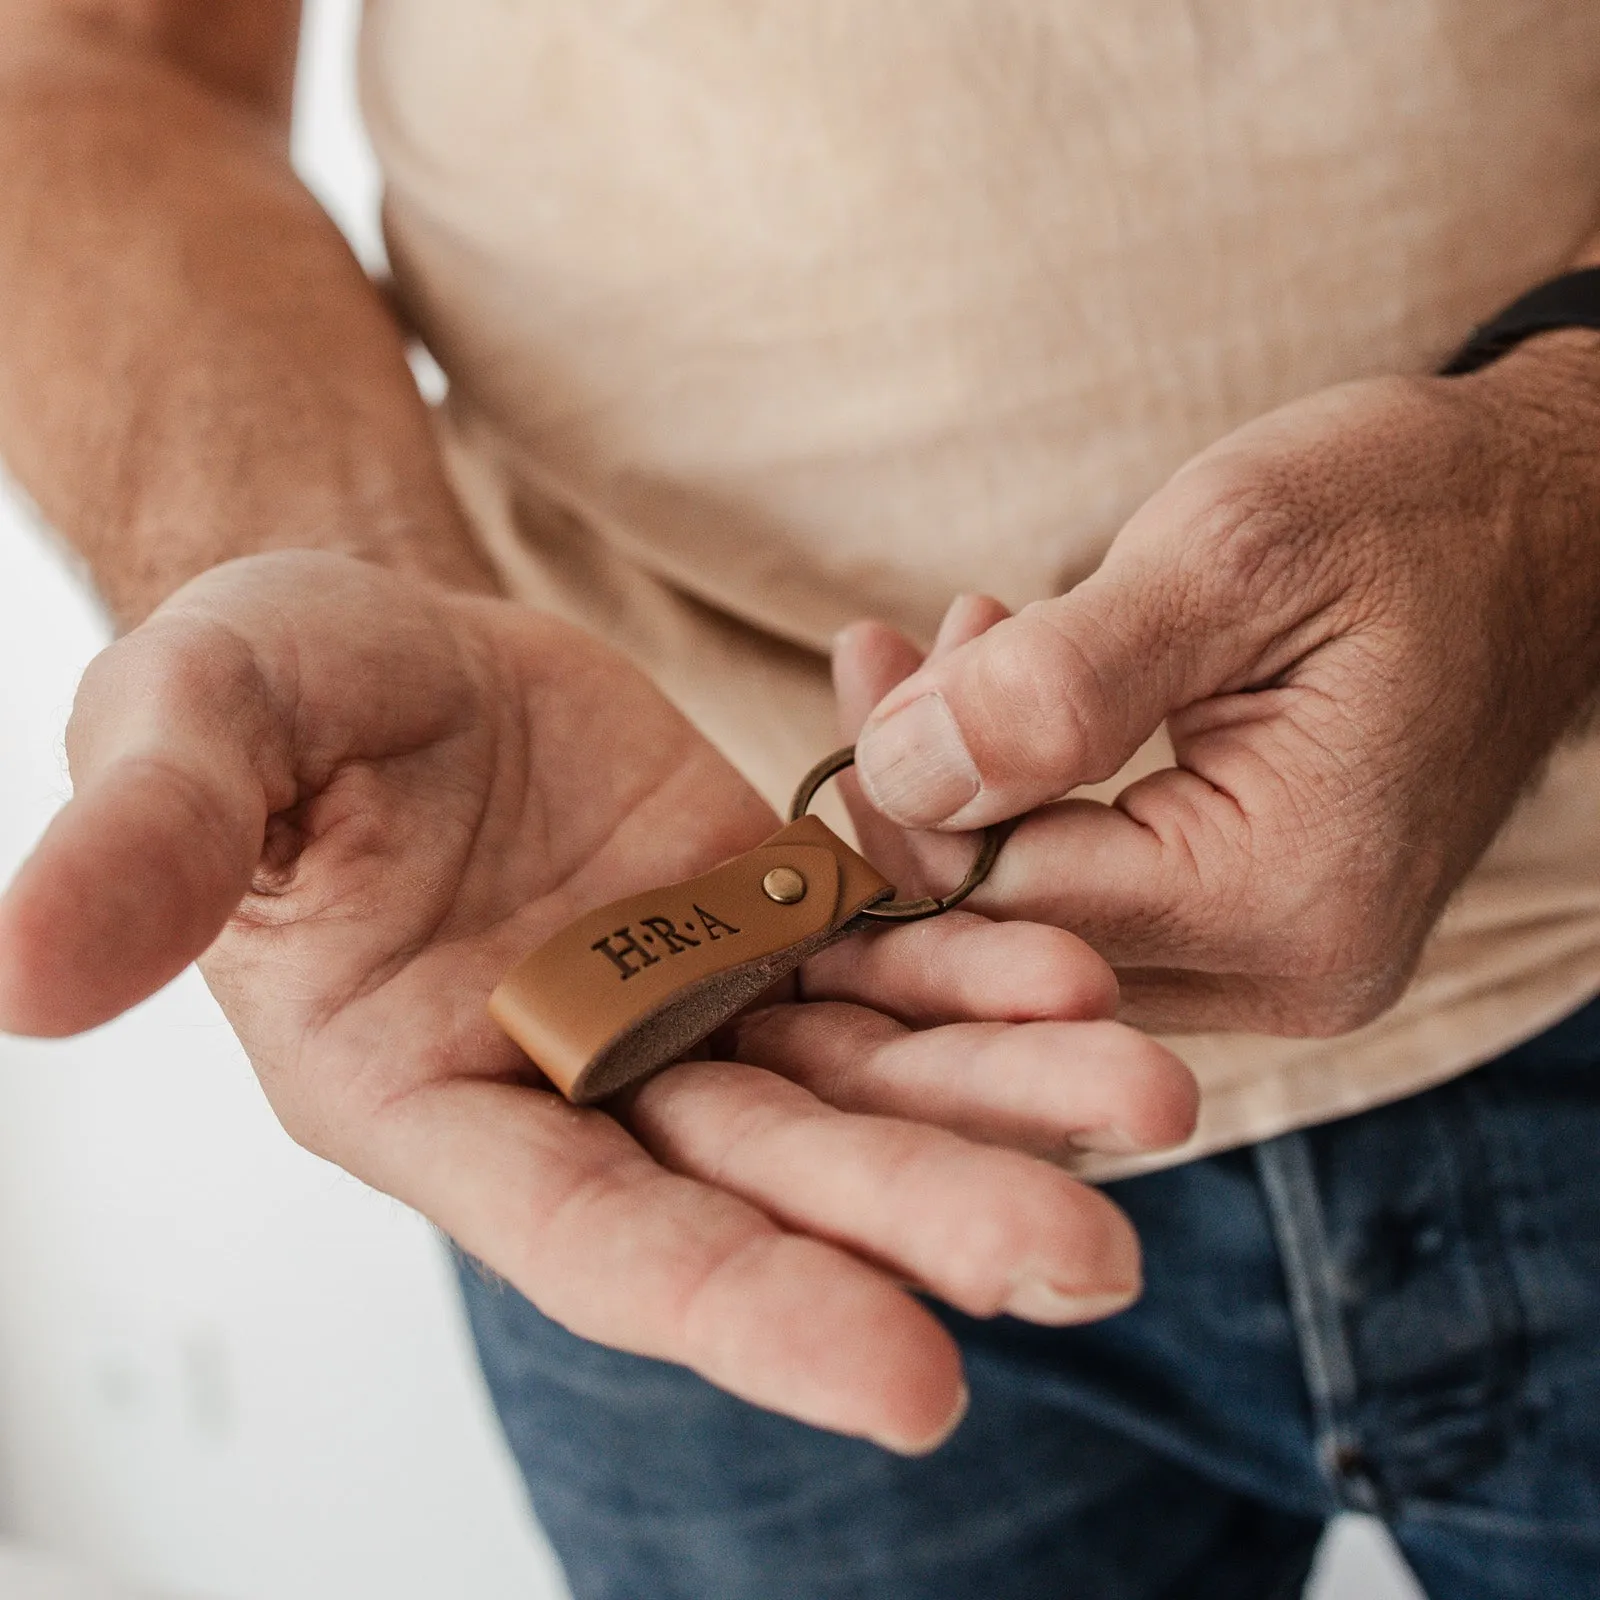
226,1369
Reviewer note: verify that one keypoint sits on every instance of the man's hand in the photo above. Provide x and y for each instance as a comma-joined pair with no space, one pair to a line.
380,794
1365,620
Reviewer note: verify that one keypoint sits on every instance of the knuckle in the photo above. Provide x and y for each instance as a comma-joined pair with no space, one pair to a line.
1062,976
1018,1223
1325,1002
1333,934
1031,689
1288,987
1279,527
1324,939
1332,1007
1332,954
1084,990
1244,526
1043,683
174,674
725,1276
1036,1223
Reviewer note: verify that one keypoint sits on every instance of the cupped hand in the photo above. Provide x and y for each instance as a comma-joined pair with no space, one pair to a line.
364,798
1365,621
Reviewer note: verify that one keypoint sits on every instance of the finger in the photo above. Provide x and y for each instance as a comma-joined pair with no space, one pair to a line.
1211,915
139,872
1042,1087
1136,891
1066,691
935,860
1060,695
962,968
1193,865
989,1230
969,617
566,1207
868,660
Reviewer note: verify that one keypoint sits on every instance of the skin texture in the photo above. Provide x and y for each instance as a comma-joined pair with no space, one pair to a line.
1365,619
194,365
329,761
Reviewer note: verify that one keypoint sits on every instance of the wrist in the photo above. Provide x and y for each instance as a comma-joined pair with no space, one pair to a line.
437,546
153,556
1537,425
1555,375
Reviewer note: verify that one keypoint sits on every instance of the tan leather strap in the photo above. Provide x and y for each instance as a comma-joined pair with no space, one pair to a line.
631,987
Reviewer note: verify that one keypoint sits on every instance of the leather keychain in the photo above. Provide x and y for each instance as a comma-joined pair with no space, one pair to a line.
629,988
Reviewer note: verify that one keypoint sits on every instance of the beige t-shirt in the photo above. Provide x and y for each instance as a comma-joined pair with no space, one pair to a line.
762,316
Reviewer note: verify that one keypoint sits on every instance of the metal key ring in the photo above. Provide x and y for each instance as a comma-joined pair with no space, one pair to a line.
902,910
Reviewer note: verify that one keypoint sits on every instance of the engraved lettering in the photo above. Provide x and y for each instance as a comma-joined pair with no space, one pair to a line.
711,924
626,948
675,941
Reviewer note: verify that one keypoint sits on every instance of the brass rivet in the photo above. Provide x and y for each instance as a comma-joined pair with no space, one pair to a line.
784,885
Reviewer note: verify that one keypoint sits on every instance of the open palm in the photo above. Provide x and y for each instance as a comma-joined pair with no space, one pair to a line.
364,798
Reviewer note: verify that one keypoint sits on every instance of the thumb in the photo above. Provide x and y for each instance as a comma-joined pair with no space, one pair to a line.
869,659
1060,695
140,871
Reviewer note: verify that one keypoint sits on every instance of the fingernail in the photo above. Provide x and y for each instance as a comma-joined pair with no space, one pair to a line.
926,1447
1110,1141
915,766
1034,1300
1115,1141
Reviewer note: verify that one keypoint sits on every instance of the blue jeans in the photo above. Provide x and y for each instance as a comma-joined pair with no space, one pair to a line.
1399,1312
